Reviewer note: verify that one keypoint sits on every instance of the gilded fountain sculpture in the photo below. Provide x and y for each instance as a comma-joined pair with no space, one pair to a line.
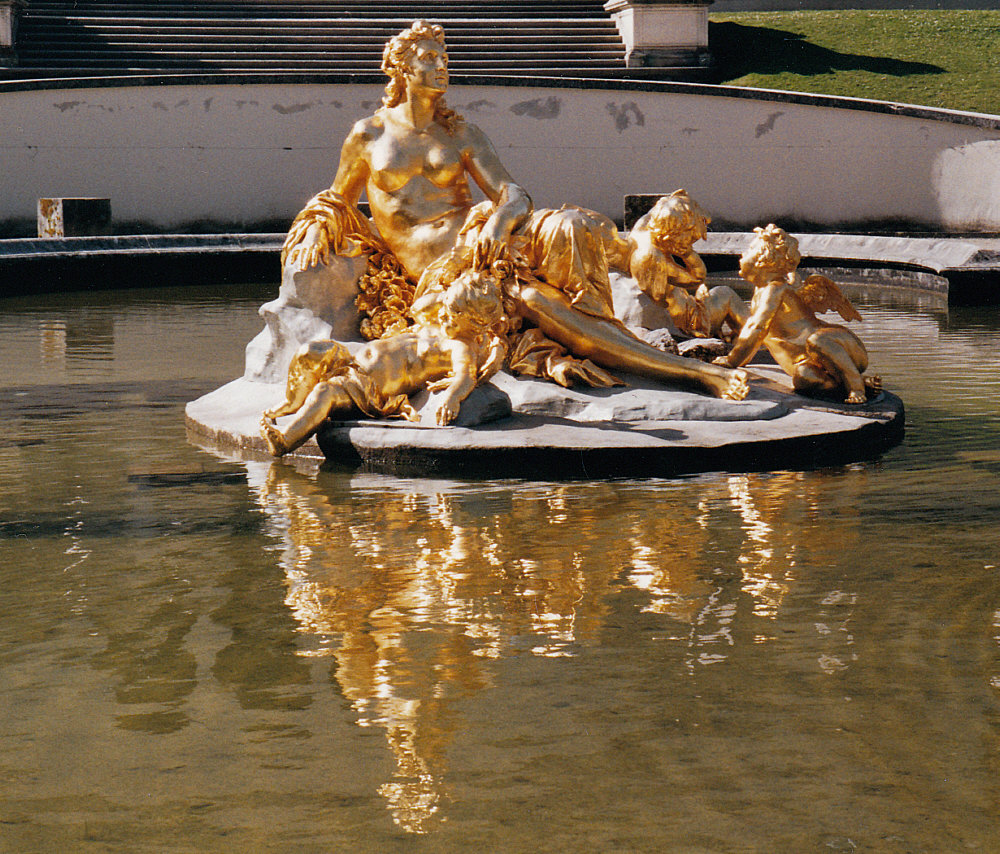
447,295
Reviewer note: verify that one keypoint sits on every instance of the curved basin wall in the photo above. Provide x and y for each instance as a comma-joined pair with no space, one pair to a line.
243,153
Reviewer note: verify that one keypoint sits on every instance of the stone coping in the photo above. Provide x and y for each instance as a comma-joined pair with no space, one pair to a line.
979,120
971,267
50,247
937,253
52,265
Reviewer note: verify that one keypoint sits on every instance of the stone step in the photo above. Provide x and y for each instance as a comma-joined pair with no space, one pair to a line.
288,10
374,7
485,35
501,53
345,36
277,63
562,37
476,42
175,24
333,75
158,13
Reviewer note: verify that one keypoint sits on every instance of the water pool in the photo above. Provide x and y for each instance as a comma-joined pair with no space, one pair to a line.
204,654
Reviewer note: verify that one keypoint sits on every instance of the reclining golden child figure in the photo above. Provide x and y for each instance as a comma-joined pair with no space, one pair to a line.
414,158
457,342
823,359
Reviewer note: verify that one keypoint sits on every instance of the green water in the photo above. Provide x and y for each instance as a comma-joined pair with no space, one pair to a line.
205,655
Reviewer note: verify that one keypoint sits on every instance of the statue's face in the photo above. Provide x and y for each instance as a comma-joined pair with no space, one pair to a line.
475,302
427,66
751,268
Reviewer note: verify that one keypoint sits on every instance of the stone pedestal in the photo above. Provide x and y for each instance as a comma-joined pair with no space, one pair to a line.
73,217
658,34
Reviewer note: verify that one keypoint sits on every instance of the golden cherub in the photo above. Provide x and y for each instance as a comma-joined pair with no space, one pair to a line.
457,341
823,359
663,262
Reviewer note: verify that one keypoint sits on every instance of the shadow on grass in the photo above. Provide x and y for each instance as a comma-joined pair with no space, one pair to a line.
739,49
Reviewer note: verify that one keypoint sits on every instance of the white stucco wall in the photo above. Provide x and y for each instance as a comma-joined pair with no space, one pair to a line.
245,153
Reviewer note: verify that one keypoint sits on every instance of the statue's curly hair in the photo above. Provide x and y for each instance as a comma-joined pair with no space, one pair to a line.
772,249
395,62
677,220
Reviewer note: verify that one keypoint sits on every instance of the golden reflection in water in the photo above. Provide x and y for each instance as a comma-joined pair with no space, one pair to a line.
995,680
417,588
52,340
85,338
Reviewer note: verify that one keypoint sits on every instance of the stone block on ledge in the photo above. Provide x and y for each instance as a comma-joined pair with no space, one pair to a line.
78,217
662,33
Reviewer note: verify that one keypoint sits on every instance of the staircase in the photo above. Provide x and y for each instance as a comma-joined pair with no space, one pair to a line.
330,38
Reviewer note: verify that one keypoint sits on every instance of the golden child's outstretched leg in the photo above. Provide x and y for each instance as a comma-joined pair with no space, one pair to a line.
723,307
843,355
325,397
611,346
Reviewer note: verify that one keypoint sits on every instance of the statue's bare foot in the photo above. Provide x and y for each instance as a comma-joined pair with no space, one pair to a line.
272,435
856,397
873,382
738,386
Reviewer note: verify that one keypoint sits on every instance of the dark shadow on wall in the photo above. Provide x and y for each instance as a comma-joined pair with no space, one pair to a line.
738,49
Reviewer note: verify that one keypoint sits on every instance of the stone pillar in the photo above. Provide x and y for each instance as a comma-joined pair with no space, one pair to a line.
10,11
659,34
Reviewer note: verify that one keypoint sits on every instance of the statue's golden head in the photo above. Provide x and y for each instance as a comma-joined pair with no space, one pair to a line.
396,63
772,252
676,222
473,300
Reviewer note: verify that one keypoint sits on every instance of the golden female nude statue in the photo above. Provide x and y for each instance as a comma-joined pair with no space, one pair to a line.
414,159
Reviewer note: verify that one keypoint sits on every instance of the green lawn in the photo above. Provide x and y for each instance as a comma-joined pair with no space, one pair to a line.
947,59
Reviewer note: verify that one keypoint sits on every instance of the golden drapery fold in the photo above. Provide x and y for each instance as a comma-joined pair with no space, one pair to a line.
385,293
330,361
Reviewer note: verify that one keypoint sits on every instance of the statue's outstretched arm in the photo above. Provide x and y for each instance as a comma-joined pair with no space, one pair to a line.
765,307
463,380
656,273
692,268
513,204
352,171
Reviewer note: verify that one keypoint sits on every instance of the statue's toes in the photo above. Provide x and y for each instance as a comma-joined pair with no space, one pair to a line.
739,386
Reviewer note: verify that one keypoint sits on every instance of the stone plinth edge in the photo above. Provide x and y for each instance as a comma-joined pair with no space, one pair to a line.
804,434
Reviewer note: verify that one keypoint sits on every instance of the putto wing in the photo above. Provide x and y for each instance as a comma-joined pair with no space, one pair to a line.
822,295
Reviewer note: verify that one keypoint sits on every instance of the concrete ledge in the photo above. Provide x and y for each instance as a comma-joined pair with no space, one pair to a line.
36,266
30,266
972,270
915,111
